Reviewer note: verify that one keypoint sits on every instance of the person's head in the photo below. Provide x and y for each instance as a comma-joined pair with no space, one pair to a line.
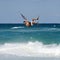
24,22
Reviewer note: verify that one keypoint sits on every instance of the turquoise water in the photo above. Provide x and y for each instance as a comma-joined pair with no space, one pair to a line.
19,33
41,40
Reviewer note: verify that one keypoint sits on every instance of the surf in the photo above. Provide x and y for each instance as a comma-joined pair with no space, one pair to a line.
31,49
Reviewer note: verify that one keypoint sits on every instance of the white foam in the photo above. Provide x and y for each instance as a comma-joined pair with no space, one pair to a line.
32,49
16,27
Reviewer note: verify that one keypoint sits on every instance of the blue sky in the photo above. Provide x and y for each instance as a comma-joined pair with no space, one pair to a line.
48,10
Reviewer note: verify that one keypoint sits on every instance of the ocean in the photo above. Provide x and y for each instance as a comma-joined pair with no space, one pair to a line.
38,42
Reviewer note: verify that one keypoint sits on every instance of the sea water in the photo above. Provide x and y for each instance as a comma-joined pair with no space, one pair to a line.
38,42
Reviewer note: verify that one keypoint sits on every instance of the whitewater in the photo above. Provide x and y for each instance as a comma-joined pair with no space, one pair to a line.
31,49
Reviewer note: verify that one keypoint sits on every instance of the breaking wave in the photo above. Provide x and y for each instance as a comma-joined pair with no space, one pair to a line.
30,49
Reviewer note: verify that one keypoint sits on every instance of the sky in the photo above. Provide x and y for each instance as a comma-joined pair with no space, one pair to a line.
47,10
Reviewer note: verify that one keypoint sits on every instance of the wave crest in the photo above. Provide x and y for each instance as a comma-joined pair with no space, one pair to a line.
33,49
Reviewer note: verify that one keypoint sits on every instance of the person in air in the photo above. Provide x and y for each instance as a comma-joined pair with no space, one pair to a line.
28,23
